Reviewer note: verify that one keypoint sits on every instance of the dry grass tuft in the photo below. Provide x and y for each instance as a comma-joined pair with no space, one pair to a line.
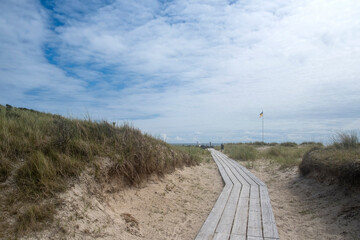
346,140
34,217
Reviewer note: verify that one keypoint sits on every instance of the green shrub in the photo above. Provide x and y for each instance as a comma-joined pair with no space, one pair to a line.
33,217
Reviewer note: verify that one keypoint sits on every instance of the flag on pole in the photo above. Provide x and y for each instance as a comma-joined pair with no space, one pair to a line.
261,114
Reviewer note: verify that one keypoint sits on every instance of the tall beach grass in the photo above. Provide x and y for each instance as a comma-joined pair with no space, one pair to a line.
41,152
337,163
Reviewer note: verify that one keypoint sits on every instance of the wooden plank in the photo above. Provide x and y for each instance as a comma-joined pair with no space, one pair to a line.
269,224
241,216
253,217
251,175
227,219
254,238
233,174
230,173
210,224
221,236
214,217
237,237
242,173
243,210
254,221
245,170
205,236
223,173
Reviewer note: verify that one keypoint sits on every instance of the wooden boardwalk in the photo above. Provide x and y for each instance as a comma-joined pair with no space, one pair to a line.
243,209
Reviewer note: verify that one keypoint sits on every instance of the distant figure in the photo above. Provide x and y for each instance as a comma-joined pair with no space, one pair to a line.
222,147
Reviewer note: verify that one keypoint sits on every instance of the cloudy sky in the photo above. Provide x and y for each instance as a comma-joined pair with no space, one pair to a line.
188,70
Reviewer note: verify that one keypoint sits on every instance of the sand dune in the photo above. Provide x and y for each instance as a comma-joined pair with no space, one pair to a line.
173,207
307,209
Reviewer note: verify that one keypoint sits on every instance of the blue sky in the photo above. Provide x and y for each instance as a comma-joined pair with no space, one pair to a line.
188,71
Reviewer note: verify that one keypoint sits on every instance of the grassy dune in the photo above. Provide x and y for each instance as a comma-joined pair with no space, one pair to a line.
285,154
40,153
241,151
338,163
198,154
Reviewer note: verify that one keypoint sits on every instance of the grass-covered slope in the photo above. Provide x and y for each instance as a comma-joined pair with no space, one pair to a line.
286,154
339,162
40,153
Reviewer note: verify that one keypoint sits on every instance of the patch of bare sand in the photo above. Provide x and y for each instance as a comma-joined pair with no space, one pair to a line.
307,209
173,207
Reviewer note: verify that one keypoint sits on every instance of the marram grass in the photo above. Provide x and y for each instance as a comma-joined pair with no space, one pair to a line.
40,153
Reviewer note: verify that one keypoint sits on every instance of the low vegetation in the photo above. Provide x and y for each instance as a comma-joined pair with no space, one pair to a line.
339,162
286,154
198,154
40,153
241,151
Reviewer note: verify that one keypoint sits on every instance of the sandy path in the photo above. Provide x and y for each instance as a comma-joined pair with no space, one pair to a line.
173,207
307,209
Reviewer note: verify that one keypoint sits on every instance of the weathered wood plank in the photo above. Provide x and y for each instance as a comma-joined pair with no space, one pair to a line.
205,236
214,217
254,238
237,237
222,171
241,216
269,224
227,219
254,220
221,236
251,175
241,172
243,210
210,224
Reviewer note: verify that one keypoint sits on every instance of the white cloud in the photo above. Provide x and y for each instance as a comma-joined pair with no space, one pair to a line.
184,67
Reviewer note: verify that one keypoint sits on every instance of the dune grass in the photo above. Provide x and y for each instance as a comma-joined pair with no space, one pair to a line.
244,152
197,153
338,163
40,153
286,154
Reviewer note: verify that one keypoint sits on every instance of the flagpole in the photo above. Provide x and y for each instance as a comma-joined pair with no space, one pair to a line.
263,128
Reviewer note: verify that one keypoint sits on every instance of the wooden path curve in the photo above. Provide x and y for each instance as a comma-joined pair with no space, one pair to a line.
243,209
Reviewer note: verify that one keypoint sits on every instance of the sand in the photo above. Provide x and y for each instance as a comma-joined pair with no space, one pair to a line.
173,207
307,209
